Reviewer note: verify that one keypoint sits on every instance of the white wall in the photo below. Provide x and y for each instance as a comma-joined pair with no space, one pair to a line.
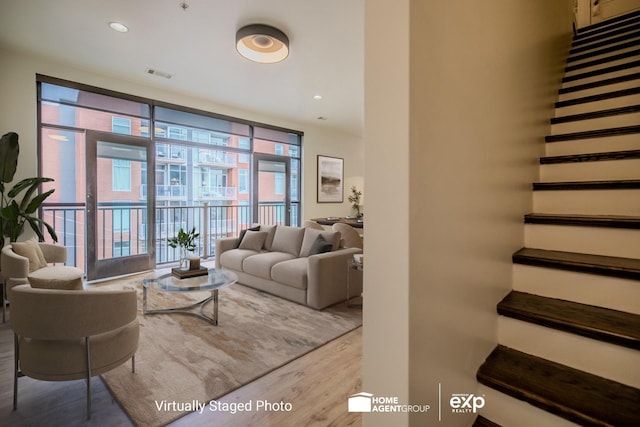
18,113
463,92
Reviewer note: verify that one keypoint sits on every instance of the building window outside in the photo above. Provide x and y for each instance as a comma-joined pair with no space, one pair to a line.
279,150
121,220
121,125
121,249
243,181
121,175
279,184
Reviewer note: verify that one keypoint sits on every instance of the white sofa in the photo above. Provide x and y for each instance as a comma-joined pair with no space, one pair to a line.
281,260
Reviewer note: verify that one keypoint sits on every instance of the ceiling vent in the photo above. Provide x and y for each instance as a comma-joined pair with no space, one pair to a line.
159,73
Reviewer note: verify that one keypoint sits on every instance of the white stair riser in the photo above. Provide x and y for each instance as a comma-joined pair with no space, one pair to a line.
593,145
589,355
600,66
604,55
599,90
508,411
606,104
605,76
629,119
588,202
609,292
616,242
591,171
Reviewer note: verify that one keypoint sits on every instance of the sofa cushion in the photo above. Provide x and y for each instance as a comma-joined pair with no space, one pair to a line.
260,265
57,277
253,240
311,235
292,273
233,258
243,232
271,231
30,250
320,246
288,240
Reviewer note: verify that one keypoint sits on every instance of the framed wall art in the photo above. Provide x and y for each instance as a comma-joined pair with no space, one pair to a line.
330,179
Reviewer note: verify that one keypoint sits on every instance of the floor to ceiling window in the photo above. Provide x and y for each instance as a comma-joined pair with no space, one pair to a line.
191,169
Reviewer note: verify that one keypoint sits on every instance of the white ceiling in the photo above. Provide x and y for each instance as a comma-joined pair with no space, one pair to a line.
197,47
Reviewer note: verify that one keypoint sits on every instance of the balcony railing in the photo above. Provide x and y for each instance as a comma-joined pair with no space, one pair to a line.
123,226
217,193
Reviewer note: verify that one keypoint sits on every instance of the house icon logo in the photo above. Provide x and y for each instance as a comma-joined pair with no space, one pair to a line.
360,402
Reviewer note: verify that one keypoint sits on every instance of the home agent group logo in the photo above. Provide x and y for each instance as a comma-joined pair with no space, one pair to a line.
367,402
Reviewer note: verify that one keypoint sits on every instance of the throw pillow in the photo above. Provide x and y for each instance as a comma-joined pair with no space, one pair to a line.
30,250
288,240
242,233
253,240
320,245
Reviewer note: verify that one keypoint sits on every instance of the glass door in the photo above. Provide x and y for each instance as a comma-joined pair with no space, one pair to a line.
271,189
119,200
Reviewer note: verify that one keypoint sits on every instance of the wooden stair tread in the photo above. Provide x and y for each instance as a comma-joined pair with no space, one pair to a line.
575,395
605,70
630,109
599,323
611,221
591,157
628,268
623,184
481,421
599,133
598,97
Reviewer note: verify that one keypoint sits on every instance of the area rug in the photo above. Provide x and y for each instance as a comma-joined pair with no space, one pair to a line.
184,359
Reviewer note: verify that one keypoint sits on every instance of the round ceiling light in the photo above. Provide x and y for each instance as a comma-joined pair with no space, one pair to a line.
262,43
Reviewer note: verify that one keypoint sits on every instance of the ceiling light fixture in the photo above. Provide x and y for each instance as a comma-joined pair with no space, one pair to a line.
116,26
317,97
262,43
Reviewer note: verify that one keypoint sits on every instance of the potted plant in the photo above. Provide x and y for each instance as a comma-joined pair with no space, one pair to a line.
185,241
354,198
15,212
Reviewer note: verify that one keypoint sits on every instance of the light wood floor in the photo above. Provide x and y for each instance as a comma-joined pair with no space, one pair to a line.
317,385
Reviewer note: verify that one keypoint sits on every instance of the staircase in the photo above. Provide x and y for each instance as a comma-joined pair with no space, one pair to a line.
569,332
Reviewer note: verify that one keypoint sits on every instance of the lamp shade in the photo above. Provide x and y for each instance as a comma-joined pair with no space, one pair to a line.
262,43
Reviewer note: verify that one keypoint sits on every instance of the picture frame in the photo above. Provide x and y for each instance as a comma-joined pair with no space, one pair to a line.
330,179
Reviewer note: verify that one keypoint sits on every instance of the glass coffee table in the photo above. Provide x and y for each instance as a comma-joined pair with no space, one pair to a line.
215,280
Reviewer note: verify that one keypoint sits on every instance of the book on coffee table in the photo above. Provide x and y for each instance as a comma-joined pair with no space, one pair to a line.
183,274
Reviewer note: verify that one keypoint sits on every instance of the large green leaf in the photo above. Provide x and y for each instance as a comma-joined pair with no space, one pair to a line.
36,202
9,150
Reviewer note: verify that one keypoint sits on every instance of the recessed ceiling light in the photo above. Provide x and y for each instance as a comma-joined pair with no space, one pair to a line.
322,118
116,26
318,97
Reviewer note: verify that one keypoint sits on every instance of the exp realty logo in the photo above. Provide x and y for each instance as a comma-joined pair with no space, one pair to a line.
462,403
367,402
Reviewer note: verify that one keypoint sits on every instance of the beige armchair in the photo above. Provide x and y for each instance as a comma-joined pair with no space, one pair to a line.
350,237
312,224
66,335
31,265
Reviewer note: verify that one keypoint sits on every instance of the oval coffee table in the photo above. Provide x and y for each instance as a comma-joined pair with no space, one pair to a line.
215,280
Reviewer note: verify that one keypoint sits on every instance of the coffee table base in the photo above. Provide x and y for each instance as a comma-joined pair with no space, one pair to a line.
187,309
